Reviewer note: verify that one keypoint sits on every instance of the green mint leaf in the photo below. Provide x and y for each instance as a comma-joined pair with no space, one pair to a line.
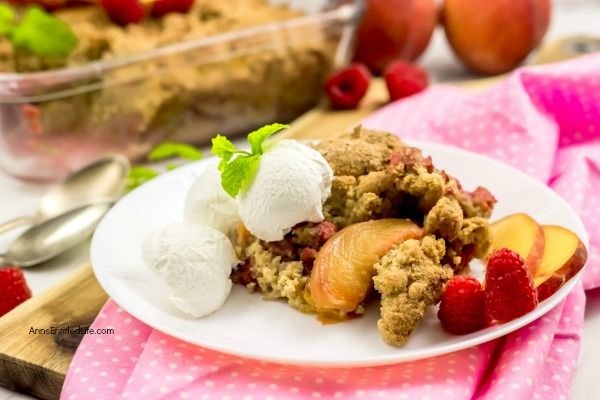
138,176
251,170
7,20
238,173
170,150
43,34
223,148
258,137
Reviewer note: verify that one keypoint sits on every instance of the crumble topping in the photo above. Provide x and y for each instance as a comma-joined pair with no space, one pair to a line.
445,219
351,158
409,278
276,278
377,176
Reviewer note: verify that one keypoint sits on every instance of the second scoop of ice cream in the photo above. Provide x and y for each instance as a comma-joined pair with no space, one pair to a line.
290,186
194,262
208,204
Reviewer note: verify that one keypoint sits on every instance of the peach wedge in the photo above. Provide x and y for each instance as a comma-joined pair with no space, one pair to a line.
343,270
522,234
564,256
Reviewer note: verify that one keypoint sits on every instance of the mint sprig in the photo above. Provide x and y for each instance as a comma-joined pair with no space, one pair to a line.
139,175
237,166
37,31
169,150
224,149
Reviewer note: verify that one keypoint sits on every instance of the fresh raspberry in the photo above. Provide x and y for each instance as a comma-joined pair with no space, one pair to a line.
162,7
509,289
404,79
346,87
13,289
124,12
462,309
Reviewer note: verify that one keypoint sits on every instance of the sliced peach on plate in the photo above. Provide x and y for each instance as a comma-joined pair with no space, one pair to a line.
522,234
564,256
344,267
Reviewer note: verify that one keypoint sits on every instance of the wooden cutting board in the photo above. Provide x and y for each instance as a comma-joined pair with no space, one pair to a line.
36,364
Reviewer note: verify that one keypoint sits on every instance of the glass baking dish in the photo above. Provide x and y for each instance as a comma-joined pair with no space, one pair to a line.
54,121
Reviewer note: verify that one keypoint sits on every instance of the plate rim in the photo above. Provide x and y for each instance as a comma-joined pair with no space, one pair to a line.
470,340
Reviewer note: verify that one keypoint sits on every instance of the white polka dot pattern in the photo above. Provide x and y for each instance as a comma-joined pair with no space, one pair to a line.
543,120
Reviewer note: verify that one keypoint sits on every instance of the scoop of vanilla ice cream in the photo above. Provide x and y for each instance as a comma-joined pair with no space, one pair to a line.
195,262
290,186
208,204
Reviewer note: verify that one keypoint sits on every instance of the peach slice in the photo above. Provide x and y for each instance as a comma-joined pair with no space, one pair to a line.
564,256
522,234
344,267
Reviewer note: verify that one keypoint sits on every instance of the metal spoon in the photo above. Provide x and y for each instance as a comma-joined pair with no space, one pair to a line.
102,179
55,236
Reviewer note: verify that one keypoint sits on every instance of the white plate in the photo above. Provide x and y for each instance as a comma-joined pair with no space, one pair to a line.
272,331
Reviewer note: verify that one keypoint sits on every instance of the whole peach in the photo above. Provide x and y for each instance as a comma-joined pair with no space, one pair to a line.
493,37
394,29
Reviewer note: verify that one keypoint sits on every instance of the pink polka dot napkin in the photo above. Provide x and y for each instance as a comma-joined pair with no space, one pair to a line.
543,120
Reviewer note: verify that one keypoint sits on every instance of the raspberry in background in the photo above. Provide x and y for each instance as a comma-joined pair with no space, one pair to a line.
462,308
123,12
13,289
404,79
509,289
345,88
163,7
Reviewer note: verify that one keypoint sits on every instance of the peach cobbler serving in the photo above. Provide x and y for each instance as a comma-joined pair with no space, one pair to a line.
335,225
394,227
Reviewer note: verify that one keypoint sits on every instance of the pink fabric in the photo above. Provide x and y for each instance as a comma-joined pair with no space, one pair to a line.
543,120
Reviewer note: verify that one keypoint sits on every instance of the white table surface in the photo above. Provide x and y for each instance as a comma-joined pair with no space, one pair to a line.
570,17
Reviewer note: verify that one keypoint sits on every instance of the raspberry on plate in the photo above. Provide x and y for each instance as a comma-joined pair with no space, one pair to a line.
13,289
462,309
509,289
346,87
124,12
404,79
